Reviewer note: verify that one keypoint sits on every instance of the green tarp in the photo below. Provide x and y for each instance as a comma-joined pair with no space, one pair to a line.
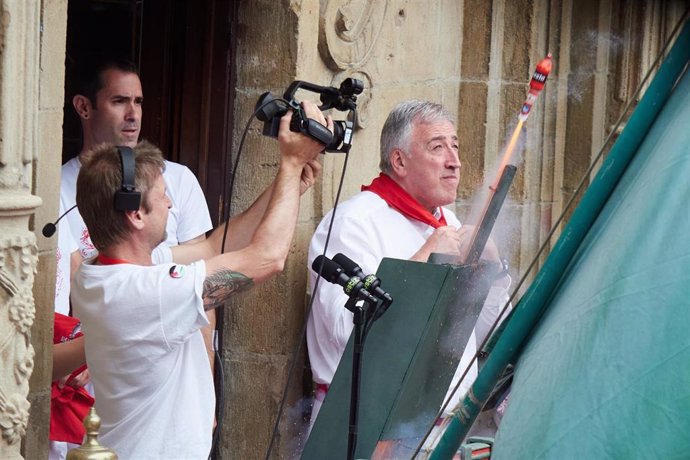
606,373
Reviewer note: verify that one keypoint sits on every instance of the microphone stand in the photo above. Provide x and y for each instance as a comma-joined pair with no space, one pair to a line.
359,336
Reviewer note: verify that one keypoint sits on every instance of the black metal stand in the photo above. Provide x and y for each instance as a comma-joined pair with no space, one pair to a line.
359,332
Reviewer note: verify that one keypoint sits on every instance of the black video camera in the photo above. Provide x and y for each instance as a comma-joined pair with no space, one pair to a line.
270,109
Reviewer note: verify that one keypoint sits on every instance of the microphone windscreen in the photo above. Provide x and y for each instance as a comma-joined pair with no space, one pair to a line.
350,267
49,229
330,270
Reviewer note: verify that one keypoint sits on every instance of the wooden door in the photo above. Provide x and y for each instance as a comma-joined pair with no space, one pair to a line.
185,52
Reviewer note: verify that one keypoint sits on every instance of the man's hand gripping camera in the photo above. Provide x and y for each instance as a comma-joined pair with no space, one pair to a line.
269,109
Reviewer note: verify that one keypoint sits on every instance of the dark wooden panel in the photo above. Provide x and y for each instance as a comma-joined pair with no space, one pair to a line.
185,52
95,27
186,72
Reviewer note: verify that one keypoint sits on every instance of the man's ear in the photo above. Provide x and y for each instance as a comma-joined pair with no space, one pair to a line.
398,162
82,105
135,219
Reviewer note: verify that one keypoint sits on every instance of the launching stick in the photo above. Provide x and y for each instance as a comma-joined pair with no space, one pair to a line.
482,231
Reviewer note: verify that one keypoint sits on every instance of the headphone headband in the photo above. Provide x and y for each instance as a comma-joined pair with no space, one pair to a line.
127,198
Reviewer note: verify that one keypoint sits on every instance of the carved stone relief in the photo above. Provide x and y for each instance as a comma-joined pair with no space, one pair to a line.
19,46
18,256
348,32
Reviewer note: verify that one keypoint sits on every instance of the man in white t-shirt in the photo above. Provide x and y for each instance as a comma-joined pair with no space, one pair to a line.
109,104
400,215
141,314
108,101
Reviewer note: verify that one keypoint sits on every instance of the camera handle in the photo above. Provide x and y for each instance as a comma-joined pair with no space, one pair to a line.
305,85
269,110
312,128
343,98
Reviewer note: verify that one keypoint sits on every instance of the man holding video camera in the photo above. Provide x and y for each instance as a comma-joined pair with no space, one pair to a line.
142,315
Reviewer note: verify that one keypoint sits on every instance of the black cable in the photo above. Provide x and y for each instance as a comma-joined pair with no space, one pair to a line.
227,207
220,401
371,318
220,391
303,332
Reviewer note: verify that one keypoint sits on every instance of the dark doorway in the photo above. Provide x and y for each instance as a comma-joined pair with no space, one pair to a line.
185,53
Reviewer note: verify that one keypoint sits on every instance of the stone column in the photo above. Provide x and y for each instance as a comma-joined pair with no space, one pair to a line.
19,40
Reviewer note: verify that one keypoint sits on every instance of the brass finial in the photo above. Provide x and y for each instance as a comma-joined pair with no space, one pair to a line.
91,449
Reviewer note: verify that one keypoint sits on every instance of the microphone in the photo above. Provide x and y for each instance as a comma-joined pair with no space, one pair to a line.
371,282
50,228
334,273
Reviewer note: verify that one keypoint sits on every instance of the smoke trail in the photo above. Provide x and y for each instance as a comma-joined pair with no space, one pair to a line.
511,153
294,417
583,65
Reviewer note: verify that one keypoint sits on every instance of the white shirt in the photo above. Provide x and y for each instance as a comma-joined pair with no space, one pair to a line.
65,247
153,382
188,218
366,229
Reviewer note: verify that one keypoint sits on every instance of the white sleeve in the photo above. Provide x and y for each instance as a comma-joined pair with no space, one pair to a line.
491,310
181,305
68,198
65,247
161,255
352,239
66,241
194,218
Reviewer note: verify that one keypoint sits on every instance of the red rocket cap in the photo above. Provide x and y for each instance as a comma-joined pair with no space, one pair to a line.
540,73
545,65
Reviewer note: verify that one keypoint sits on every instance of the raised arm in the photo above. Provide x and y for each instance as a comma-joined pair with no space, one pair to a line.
242,227
68,357
268,246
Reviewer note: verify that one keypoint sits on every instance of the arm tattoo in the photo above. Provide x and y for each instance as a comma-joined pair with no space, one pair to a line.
221,285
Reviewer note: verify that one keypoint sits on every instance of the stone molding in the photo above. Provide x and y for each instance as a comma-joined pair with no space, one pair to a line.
18,252
348,35
19,61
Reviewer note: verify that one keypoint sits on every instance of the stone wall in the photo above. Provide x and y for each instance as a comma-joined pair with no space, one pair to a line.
49,77
260,326
31,94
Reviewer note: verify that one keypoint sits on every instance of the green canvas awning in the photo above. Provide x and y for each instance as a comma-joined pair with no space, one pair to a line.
607,372
603,373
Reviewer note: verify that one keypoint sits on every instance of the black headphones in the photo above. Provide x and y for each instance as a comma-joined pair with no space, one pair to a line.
127,198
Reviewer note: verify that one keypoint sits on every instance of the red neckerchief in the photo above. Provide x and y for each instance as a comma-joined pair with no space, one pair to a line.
105,260
399,199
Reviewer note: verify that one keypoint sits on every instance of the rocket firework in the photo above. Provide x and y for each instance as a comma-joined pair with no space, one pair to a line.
536,84
504,176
